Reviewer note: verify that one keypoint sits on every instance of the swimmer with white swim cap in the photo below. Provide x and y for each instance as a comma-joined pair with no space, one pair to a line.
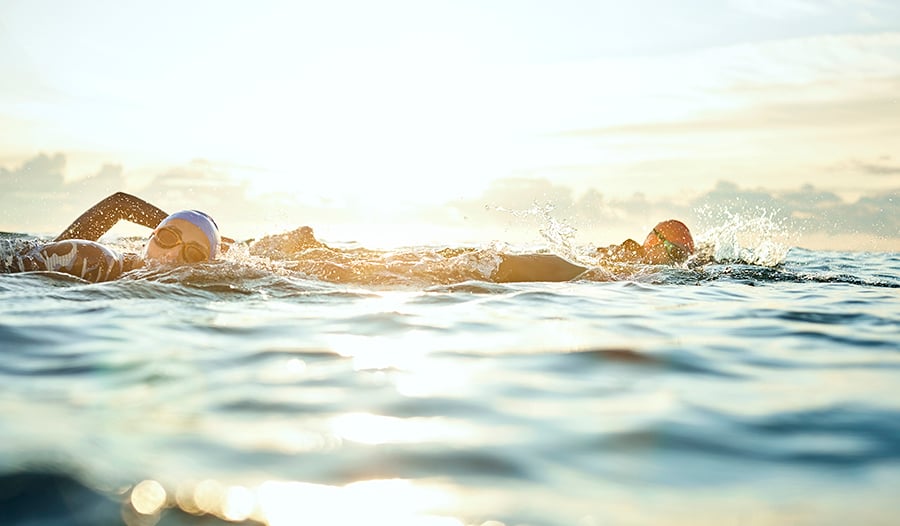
185,237
189,236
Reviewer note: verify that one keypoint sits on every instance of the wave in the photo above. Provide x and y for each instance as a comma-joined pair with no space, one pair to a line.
331,272
739,249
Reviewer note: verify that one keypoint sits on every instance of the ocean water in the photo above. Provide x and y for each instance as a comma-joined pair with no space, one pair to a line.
755,386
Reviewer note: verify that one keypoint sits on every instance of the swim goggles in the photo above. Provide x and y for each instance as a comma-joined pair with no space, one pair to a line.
675,251
169,237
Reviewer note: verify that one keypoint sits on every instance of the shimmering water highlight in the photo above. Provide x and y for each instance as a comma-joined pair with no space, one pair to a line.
723,392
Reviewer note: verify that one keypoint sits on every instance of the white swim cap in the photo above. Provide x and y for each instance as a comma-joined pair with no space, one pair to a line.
202,221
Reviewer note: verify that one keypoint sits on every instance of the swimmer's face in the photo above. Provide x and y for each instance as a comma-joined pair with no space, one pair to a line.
665,253
177,242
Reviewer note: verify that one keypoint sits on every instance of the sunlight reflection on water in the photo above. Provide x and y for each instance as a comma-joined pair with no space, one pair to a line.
376,429
393,502
722,394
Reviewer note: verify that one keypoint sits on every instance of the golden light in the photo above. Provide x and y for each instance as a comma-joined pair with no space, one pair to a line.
376,502
288,371
407,355
238,504
185,499
405,496
209,496
404,352
432,379
148,497
272,434
367,428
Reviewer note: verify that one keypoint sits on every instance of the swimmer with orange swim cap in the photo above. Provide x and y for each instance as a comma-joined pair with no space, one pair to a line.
668,243
185,237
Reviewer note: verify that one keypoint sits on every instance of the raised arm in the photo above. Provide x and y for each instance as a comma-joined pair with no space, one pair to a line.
101,217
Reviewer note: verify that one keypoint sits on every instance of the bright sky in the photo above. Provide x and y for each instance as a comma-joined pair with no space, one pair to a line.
408,101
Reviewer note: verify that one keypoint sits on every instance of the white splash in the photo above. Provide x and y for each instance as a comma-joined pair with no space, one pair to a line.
559,234
756,237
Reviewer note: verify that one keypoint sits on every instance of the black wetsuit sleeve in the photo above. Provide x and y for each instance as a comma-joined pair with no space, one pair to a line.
535,267
101,217
87,260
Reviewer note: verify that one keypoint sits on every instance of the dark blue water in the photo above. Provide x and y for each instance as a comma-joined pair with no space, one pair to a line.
725,392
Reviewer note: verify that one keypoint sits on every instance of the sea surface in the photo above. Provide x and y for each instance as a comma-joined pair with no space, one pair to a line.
755,386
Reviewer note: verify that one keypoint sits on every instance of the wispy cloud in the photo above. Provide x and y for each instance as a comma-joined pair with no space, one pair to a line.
783,9
880,110
866,12
881,167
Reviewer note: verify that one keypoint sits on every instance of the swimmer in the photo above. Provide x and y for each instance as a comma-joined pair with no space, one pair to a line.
185,237
669,243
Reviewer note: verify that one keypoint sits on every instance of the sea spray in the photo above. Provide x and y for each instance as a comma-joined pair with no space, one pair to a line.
559,234
755,236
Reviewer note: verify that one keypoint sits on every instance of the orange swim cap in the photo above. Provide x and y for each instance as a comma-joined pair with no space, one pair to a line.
675,237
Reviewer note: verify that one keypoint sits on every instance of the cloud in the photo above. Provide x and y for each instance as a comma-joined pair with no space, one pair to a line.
199,184
807,210
868,110
881,167
783,9
866,11
39,174
39,199
776,135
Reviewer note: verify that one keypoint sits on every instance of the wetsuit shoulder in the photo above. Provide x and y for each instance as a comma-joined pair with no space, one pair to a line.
87,260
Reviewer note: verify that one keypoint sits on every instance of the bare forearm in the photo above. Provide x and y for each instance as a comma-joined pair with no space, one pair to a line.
101,217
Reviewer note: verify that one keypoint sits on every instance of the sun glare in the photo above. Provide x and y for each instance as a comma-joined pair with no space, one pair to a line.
388,502
148,497
376,502
376,429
